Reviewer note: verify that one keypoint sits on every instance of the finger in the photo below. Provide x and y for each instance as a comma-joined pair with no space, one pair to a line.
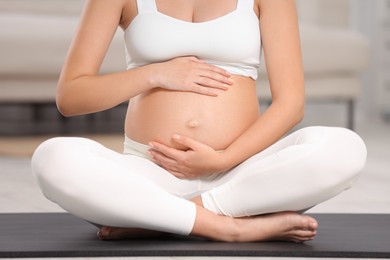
216,76
170,168
203,90
211,83
177,174
162,159
166,163
186,141
181,175
203,65
215,69
180,170
154,159
167,151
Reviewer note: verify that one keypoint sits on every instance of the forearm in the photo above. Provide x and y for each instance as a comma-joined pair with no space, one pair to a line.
92,93
89,92
282,54
278,119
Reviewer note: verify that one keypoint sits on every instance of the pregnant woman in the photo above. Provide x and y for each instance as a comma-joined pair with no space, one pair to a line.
199,158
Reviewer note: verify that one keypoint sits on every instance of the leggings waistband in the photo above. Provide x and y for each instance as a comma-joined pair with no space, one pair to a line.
135,148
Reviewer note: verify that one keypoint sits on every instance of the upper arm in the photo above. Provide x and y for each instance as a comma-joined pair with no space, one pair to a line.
98,24
282,51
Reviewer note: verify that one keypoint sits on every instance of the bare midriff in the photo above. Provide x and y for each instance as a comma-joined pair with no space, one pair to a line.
158,114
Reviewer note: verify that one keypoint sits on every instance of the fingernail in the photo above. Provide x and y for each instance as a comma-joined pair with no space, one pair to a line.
176,136
151,145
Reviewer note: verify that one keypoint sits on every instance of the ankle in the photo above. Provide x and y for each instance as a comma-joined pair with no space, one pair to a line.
198,201
216,227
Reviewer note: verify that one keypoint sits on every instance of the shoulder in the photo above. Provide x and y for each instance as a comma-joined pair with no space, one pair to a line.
104,6
103,9
108,5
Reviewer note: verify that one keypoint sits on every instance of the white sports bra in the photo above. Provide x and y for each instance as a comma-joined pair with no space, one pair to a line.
231,41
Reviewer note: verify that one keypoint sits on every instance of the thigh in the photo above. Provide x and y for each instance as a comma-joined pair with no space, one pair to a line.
158,175
304,136
266,157
108,188
132,164
305,168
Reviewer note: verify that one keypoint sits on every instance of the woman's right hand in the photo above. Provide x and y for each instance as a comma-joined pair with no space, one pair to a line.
191,74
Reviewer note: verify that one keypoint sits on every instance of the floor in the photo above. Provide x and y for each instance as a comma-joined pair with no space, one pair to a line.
20,193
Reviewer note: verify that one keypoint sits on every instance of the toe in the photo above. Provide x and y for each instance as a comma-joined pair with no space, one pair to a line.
303,233
309,223
104,233
313,225
99,234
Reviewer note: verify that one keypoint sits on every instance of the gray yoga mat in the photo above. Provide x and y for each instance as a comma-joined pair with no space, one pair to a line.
63,235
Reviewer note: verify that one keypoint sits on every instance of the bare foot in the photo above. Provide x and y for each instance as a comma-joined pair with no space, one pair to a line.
284,226
117,233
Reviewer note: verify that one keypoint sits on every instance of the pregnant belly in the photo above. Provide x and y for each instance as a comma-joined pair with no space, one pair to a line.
216,121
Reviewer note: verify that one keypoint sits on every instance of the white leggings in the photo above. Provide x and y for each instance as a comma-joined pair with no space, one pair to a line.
108,188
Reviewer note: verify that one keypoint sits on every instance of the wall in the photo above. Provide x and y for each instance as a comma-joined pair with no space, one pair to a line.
372,18
328,13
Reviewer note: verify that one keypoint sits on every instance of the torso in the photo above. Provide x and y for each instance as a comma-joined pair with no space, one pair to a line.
216,121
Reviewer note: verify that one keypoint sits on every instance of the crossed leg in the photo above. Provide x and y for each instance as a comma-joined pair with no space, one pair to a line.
98,185
305,168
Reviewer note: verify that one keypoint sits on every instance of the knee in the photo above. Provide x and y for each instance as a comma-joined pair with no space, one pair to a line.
52,158
337,146
339,154
350,148
46,154
45,161
58,152
346,153
55,165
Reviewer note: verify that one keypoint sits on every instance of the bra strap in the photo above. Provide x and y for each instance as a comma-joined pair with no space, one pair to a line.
245,4
146,6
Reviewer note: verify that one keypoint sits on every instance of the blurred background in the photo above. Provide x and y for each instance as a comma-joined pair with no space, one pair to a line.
346,52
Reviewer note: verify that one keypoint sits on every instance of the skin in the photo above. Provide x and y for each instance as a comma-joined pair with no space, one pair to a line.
188,142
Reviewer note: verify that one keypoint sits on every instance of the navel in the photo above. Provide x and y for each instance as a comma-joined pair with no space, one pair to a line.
192,123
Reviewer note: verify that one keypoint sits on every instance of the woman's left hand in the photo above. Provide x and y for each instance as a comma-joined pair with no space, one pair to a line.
198,160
